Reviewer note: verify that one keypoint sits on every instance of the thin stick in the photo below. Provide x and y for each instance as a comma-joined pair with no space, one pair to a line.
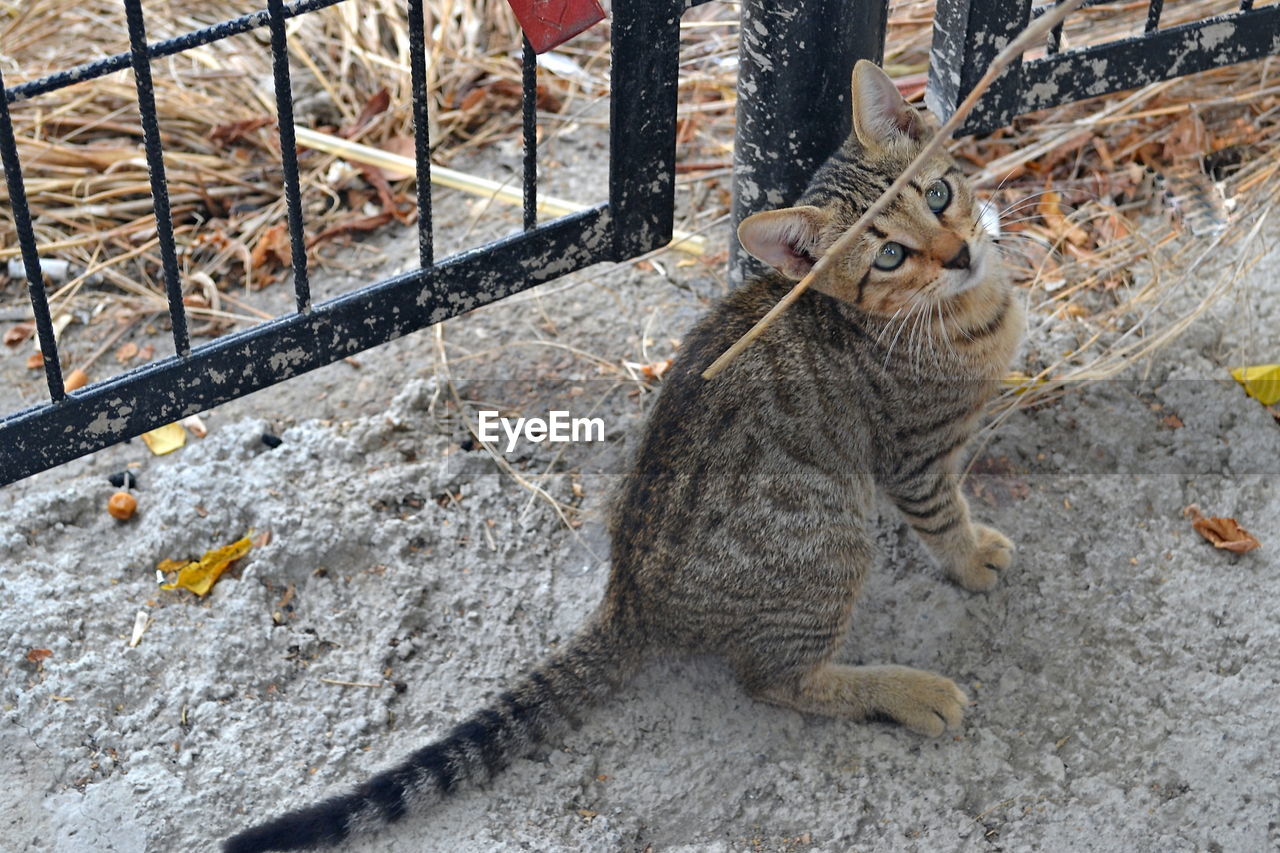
356,683
1032,34
111,339
404,167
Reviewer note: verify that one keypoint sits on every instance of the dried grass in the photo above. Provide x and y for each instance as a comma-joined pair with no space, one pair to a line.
1108,261
86,176
1123,207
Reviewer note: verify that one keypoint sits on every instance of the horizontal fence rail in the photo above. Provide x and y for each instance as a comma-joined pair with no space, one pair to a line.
969,33
637,217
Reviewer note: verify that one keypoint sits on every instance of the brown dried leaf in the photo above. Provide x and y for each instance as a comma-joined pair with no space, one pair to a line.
372,107
401,145
272,246
127,352
232,132
1065,150
37,655
35,360
501,97
366,223
656,370
1050,209
1187,138
376,179
18,333
1224,533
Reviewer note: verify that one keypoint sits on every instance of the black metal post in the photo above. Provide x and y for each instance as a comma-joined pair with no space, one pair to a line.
967,35
529,118
794,64
289,154
642,135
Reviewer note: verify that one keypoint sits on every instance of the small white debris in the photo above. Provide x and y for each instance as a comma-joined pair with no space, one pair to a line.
141,621
195,426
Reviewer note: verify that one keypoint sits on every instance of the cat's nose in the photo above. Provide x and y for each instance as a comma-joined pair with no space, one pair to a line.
960,261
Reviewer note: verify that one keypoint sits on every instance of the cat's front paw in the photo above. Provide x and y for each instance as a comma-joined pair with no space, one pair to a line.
925,703
992,554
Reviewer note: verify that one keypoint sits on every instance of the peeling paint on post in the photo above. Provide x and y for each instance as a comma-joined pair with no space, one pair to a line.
794,64
967,35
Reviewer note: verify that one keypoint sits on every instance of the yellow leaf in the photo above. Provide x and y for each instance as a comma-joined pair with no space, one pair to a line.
1260,381
165,439
1021,382
201,575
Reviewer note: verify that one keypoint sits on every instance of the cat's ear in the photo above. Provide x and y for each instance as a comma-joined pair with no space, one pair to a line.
784,239
880,116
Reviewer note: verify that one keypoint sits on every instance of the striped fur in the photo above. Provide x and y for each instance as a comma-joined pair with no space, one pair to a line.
743,529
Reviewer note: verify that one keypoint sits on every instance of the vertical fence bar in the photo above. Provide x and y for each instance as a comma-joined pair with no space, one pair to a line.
794,66
289,153
155,168
1153,15
1055,35
642,124
967,35
529,104
30,254
421,132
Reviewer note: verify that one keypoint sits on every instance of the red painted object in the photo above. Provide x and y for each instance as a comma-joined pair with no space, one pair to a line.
547,23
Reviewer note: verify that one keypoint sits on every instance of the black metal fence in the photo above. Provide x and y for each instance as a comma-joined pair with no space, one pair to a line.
637,217
969,33
794,64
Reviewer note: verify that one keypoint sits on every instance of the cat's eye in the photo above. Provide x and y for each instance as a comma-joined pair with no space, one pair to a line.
938,196
890,256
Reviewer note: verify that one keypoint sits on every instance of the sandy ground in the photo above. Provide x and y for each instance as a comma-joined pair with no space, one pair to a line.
1123,674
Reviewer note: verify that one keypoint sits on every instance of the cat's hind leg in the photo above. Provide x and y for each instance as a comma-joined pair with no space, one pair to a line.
922,701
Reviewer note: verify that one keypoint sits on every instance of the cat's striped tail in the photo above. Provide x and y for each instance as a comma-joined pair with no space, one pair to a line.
587,669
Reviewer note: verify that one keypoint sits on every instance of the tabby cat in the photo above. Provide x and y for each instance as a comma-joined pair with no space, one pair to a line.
744,530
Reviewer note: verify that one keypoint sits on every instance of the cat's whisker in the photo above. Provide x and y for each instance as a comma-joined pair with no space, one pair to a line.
1031,218
946,336
934,347
914,306
919,331
1034,198
1026,199
1023,235
889,324
989,203
901,326
1026,245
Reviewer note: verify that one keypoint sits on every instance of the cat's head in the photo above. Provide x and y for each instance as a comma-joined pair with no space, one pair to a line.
929,245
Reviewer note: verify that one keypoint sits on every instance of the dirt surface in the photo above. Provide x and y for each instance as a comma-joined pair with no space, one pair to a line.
1123,673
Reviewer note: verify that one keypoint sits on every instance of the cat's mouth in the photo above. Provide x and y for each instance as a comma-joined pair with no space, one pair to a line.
967,279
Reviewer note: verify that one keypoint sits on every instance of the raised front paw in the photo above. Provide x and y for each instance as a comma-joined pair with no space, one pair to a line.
992,555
